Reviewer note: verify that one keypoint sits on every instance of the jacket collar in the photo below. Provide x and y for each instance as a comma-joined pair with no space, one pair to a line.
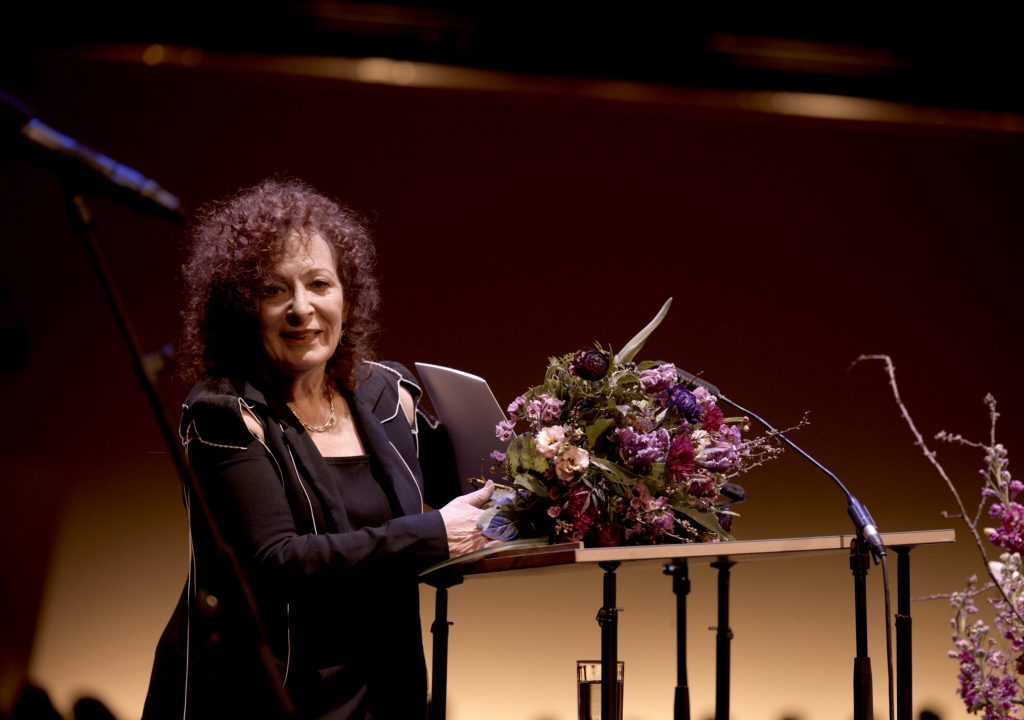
371,410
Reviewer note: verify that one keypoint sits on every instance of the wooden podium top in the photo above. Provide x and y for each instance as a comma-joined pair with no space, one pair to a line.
574,553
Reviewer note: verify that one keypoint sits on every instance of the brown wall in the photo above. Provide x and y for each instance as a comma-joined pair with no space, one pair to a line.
513,226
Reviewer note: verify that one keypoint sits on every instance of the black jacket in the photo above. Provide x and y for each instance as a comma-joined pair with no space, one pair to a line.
339,604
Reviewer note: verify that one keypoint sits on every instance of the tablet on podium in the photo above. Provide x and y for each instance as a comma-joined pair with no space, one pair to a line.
469,411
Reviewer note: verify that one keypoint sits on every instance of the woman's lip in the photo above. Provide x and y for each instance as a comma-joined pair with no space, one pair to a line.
299,335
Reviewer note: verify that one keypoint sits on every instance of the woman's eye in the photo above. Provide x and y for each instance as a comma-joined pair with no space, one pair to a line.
320,284
270,291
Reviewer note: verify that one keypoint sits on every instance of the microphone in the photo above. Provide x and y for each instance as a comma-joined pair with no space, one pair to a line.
857,511
66,155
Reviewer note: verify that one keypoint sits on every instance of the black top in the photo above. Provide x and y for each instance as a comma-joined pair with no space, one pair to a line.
360,492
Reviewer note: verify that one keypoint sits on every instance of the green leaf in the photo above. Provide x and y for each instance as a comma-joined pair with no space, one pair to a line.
597,429
531,483
630,349
523,455
655,479
624,380
613,472
705,519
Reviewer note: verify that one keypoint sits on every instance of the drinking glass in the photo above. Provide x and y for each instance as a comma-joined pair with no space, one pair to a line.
588,689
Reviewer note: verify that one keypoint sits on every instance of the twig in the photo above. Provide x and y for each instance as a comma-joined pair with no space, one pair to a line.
890,370
948,596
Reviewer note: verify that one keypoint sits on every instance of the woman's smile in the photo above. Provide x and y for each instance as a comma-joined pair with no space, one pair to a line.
300,337
302,307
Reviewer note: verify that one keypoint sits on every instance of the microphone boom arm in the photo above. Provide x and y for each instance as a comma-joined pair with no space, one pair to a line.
857,511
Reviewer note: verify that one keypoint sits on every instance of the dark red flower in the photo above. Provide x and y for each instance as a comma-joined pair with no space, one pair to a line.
702,487
607,534
590,364
680,461
713,417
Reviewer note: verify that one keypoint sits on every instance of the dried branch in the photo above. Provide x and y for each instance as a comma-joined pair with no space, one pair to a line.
949,596
933,459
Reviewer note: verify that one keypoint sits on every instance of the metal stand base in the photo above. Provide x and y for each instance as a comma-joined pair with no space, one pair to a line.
439,629
679,570
608,619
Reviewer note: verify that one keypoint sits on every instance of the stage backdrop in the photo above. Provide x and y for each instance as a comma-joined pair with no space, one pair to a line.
513,225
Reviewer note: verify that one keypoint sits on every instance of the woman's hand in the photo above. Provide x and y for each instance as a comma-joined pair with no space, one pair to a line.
460,516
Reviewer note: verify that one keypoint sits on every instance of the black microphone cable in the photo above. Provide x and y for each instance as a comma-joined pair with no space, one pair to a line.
857,511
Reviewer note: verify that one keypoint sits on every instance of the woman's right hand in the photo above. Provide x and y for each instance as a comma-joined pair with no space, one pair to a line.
460,517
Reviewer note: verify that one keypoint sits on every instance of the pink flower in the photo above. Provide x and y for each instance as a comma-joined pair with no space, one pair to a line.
513,408
545,409
550,440
658,379
571,461
504,430
718,456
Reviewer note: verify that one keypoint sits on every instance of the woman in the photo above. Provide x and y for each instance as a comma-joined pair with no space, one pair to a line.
306,451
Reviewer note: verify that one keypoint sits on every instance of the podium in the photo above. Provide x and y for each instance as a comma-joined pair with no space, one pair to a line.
674,560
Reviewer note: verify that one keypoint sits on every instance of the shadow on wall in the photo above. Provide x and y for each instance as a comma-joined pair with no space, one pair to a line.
34,703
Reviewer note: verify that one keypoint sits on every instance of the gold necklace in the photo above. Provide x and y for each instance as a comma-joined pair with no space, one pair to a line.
330,421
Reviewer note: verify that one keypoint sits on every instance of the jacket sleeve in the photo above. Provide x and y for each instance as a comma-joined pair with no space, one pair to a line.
244,485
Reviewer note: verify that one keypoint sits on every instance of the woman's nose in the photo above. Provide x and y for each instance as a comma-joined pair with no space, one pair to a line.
299,309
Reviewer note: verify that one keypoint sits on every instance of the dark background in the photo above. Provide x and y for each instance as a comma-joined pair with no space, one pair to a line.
524,211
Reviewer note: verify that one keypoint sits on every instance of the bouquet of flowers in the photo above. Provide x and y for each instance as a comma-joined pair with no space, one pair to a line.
615,452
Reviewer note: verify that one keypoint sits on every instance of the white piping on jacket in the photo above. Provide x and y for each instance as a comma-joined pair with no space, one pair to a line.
415,426
412,476
192,580
301,485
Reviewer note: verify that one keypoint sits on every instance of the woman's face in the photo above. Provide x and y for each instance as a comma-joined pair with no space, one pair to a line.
302,307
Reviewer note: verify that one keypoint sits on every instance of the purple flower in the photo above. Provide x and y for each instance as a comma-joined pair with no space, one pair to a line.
685,404
658,379
718,456
732,434
503,430
648,518
641,449
513,407
545,410
1009,536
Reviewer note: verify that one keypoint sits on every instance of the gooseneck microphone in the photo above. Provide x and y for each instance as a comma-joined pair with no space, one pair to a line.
857,511
68,156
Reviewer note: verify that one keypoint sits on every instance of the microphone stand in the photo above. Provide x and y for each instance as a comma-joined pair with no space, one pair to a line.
229,607
858,512
868,539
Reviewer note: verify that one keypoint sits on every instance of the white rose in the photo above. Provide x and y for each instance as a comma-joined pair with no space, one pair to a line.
550,440
571,461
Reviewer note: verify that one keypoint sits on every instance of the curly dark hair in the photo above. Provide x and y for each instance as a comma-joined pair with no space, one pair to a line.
235,242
